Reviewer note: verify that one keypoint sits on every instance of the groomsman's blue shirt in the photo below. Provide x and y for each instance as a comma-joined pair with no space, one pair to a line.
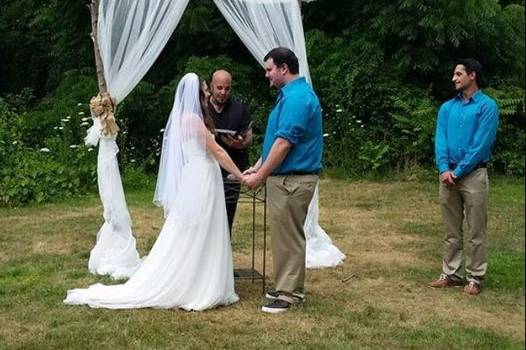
296,117
465,133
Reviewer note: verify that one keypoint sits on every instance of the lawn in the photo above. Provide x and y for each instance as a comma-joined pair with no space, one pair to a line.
390,231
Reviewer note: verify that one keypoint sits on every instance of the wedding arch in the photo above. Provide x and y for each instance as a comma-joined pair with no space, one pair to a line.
128,37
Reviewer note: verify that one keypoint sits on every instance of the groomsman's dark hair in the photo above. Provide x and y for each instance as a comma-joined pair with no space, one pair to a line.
472,65
283,55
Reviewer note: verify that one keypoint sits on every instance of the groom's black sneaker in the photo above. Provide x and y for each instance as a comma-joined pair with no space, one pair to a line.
296,298
271,295
276,307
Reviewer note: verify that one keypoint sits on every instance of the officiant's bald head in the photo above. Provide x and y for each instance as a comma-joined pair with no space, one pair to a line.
221,86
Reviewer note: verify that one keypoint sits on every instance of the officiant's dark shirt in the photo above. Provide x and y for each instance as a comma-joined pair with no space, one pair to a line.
234,116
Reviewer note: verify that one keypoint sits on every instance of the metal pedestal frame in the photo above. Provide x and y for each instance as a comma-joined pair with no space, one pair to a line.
256,197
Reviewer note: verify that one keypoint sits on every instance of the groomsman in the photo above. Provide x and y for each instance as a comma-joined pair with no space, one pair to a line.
465,133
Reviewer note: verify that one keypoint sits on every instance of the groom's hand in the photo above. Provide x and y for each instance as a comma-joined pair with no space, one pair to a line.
252,181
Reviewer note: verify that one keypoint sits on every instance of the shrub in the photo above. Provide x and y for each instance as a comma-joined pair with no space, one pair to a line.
45,168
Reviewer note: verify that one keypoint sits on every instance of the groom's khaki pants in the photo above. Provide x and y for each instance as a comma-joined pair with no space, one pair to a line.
289,197
469,198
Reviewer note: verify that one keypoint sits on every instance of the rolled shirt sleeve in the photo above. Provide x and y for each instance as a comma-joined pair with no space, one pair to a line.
293,120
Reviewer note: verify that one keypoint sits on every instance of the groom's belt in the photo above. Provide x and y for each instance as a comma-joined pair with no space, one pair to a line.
452,166
293,173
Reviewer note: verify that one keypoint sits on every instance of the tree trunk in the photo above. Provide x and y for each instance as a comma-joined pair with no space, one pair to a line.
94,11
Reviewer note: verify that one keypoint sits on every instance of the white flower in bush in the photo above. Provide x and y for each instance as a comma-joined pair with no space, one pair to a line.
61,128
65,120
84,123
162,130
15,142
73,146
81,113
45,150
85,119
79,104
339,110
90,149
325,135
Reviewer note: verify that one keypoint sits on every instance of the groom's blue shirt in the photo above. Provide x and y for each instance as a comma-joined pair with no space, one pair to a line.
296,117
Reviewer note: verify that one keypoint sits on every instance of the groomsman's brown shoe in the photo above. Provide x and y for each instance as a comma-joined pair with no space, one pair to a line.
472,288
445,281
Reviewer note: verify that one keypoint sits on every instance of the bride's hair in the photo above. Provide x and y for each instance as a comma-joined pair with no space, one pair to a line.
209,122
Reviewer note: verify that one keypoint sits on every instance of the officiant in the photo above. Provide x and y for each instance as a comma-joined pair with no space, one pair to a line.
233,132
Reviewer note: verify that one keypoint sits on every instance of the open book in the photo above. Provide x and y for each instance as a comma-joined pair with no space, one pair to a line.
235,133
225,131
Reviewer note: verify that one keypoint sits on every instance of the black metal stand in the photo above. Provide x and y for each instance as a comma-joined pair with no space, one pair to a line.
256,197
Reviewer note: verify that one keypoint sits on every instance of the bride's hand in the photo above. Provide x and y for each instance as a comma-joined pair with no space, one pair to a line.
239,177
251,170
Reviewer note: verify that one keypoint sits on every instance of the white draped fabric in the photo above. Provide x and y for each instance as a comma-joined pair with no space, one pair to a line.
321,252
114,253
131,35
263,25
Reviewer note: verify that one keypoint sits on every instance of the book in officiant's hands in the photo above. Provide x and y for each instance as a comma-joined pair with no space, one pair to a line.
233,133
228,132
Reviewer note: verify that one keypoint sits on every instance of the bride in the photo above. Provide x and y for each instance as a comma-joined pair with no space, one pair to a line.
190,265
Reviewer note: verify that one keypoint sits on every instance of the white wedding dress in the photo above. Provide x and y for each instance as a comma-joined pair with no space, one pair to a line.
190,265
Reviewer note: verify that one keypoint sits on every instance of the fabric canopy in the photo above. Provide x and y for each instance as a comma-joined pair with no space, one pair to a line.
131,35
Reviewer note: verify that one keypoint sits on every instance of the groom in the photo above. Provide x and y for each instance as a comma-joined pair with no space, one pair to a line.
290,163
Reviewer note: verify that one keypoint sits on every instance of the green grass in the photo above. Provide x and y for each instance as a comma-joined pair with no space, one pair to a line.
390,231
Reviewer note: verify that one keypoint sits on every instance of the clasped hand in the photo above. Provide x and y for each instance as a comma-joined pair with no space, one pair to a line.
448,178
251,179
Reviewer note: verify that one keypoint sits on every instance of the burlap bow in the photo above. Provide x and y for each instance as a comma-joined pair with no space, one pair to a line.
103,107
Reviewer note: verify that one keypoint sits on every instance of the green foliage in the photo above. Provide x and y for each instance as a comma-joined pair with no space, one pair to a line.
373,122
381,69
509,147
33,176
382,79
40,41
43,161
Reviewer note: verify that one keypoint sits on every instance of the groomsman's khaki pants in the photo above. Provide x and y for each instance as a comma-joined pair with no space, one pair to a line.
289,197
469,198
